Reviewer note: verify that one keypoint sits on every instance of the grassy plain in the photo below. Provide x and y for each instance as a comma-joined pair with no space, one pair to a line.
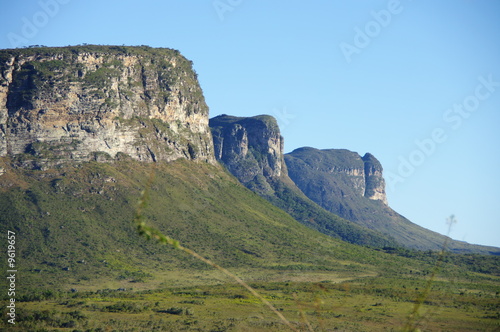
363,304
83,266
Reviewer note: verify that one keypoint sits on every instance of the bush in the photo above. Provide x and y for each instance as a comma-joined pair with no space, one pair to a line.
125,307
178,311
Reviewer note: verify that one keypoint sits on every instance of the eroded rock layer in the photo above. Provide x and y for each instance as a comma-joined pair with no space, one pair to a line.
101,102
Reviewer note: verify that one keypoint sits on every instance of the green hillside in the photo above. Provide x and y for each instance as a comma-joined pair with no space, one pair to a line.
83,266
75,225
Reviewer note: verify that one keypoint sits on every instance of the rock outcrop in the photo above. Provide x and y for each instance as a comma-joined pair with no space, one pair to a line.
346,174
374,180
100,102
250,148
341,181
335,191
351,186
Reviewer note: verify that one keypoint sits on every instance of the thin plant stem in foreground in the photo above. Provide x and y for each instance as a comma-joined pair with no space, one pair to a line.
152,233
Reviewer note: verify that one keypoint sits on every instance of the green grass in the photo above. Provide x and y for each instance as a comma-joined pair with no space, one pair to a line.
85,214
75,230
368,304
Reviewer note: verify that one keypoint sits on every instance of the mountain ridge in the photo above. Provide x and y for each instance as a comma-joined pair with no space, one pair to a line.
251,148
88,132
71,105
310,170
342,182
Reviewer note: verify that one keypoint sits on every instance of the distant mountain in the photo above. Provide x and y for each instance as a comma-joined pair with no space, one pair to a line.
251,148
353,187
332,191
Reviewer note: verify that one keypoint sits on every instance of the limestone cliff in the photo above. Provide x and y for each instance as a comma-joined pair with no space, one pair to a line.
100,102
345,175
374,180
251,149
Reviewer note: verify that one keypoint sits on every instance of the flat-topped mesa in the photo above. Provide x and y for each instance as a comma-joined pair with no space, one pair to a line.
348,174
101,102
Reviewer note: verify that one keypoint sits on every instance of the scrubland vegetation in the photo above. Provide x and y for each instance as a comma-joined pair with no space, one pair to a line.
84,267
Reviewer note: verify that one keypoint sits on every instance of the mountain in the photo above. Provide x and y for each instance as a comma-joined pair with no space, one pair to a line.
351,186
86,130
309,181
60,105
339,180
251,148
94,138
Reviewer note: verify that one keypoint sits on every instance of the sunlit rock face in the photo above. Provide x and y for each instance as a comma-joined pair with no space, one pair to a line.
84,103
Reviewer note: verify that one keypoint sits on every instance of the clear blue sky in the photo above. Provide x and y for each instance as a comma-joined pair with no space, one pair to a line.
369,76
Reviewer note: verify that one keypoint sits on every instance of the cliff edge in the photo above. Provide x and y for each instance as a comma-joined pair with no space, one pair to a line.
98,103
251,148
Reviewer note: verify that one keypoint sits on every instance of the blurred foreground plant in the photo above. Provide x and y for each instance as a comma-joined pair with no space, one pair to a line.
152,233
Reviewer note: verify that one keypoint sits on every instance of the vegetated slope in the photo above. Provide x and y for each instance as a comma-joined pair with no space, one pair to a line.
74,230
251,148
80,128
327,177
75,225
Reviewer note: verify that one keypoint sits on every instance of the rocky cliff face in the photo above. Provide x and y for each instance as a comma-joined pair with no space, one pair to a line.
317,186
97,102
345,174
374,180
250,148
352,187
